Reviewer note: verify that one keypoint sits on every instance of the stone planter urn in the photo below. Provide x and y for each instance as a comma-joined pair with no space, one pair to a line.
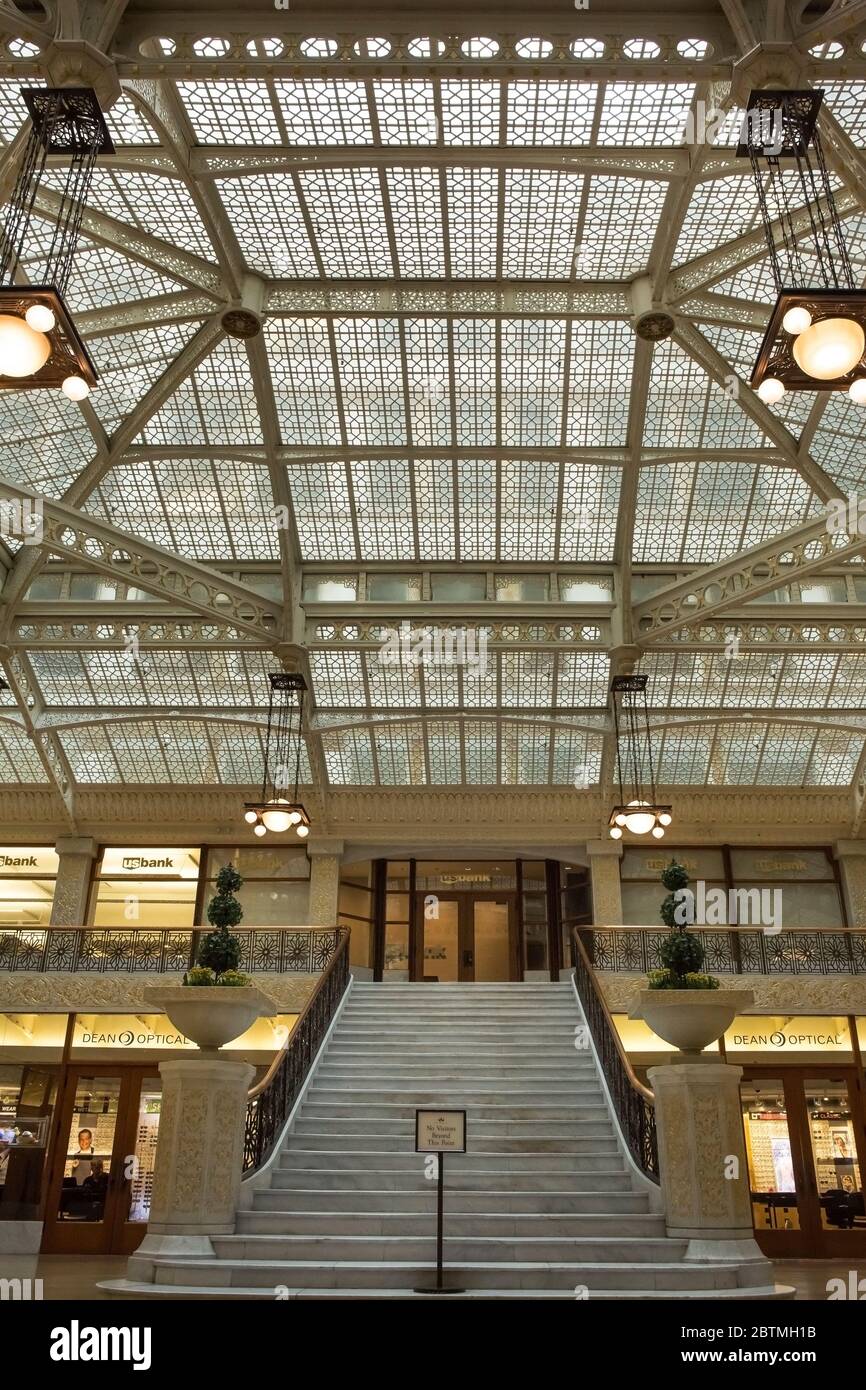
211,1015
689,1019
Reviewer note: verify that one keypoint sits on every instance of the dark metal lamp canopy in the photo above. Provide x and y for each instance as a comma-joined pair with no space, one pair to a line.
816,336
280,808
39,343
639,809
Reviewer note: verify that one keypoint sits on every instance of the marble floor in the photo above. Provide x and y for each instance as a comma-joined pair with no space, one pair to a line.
75,1277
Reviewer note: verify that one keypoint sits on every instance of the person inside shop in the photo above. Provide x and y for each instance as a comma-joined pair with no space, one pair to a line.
95,1187
82,1161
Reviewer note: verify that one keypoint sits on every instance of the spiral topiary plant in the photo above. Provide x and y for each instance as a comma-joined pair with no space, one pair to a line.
220,953
681,953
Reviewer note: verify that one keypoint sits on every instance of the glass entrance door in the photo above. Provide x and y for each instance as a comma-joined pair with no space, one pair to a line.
491,939
805,1134
467,936
102,1173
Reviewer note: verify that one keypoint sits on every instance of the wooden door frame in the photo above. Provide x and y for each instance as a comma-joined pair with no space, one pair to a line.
113,1234
812,1241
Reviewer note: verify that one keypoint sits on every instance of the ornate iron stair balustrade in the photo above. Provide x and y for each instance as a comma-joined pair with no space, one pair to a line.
271,1100
633,1102
161,950
735,950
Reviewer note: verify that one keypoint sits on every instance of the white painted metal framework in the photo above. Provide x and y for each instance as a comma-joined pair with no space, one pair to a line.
439,233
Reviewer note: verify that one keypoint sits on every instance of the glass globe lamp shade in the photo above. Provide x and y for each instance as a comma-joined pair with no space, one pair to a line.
665,818
658,832
797,320
857,390
275,817
251,817
637,820
40,318
616,832
259,829
75,387
22,350
303,831
619,820
294,817
771,390
830,348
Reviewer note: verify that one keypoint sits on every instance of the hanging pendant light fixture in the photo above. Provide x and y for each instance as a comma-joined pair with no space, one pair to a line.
639,810
815,339
280,809
39,343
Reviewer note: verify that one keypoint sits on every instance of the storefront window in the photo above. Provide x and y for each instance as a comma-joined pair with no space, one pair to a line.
356,912
145,887
834,1153
809,892
397,922
640,871
768,1151
276,888
27,1097
27,878
534,908
144,1154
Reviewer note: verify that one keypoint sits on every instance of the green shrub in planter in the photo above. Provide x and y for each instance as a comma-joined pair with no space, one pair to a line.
681,953
665,979
233,979
221,950
199,975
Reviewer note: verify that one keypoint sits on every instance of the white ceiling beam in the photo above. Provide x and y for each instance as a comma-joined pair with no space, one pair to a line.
689,337
103,547
19,676
805,550
840,19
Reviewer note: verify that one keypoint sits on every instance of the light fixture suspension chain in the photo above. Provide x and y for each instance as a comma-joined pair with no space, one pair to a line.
827,198
768,222
20,209
69,217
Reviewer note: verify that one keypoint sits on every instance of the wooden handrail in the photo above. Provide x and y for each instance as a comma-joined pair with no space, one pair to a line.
342,934
614,1031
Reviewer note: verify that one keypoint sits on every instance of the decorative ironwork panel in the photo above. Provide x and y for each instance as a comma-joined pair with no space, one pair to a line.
268,1111
635,1112
22,950
718,947
799,951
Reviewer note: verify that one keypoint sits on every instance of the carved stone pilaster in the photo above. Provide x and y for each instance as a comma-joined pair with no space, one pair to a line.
76,856
851,856
604,857
325,858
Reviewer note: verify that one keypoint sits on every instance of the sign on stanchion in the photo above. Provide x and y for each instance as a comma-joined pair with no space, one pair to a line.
440,1132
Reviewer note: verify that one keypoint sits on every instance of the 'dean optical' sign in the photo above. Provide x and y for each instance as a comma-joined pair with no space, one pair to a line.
29,860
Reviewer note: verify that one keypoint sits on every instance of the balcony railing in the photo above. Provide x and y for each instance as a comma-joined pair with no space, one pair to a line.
145,950
734,950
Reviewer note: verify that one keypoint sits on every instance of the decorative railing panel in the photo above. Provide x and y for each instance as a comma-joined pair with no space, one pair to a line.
632,1101
139,950
271,1102
734,951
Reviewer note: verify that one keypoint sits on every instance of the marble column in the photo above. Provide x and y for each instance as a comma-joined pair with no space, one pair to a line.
199,1159
325,856
604,857
74,871
702,1157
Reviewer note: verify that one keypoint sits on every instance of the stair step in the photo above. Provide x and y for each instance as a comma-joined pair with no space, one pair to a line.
130,1289
598,1136
391,1201
603,1155
597,1121
539,1114
410,1180
439,1093
598,1277
457,1249
458,1224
